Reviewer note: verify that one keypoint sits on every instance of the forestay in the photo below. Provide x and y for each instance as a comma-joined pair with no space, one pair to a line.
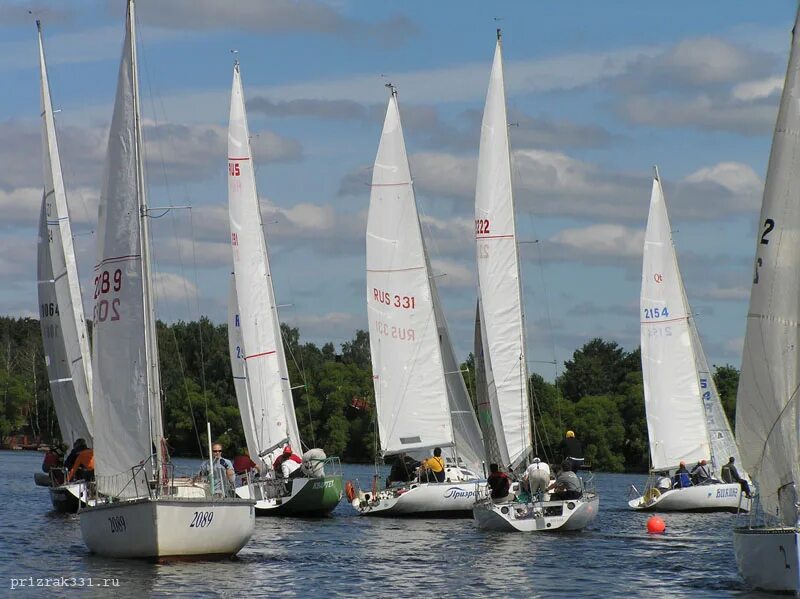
410,389
272,408
676,421
239,371
767,401
64,336
499,277
126,384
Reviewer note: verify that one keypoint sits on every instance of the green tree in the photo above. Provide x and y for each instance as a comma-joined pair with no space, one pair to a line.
726,378
595,369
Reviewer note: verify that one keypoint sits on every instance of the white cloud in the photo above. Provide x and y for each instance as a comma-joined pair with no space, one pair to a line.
453,274
758,90
738,178
330,325
725,294
602,241
172,288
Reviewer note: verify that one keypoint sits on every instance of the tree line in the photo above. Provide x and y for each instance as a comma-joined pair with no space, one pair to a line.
599,394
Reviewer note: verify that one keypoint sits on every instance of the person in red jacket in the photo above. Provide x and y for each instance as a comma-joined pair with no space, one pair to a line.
499,483
242,463
52,459
287,464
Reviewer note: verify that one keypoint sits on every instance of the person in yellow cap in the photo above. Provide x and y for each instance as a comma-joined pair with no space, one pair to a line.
572,451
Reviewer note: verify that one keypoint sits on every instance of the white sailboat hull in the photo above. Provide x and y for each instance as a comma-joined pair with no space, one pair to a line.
768,558
420,499
541,516
153,528
723,497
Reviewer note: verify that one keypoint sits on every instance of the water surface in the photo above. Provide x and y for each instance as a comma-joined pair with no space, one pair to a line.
349,555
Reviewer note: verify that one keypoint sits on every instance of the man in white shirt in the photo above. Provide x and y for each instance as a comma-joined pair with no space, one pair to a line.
538,476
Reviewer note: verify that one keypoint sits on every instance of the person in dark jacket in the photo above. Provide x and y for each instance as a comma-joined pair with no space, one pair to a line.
499,483
403,469
572,450
701,474
729,474
77,448
567,485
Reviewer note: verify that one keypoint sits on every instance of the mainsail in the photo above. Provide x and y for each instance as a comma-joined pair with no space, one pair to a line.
270,396
767,401
676,420
127,407
499,280
412,360
66,344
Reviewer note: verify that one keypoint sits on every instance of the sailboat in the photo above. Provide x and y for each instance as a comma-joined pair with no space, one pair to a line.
258,359
685,419
420,396
140,510
767,547
500,352
64,336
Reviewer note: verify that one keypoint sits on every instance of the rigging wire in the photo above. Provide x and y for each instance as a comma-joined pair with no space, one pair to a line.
185,282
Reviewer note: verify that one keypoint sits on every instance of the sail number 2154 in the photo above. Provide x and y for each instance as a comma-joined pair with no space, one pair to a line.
652,313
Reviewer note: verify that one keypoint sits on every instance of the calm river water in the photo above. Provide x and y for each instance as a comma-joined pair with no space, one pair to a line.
347,555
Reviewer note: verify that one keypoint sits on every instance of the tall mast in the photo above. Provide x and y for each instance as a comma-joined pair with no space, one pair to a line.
150,335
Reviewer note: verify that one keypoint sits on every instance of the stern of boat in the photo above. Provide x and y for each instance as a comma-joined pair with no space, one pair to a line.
166,527
767,558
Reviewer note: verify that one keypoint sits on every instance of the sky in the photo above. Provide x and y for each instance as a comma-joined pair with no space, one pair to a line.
598,93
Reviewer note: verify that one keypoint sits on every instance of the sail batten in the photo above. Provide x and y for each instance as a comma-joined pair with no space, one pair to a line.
499,282
269,416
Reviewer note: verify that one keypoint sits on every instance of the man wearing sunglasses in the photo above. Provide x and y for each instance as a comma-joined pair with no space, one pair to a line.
223,472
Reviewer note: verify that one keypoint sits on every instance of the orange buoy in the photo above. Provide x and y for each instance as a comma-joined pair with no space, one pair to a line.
655,525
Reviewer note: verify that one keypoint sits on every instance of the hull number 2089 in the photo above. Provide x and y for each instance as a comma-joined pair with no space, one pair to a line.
202,519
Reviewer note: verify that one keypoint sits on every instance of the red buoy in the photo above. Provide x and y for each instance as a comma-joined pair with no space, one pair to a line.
655,525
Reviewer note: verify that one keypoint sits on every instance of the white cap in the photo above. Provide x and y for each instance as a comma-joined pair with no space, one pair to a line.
536,460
